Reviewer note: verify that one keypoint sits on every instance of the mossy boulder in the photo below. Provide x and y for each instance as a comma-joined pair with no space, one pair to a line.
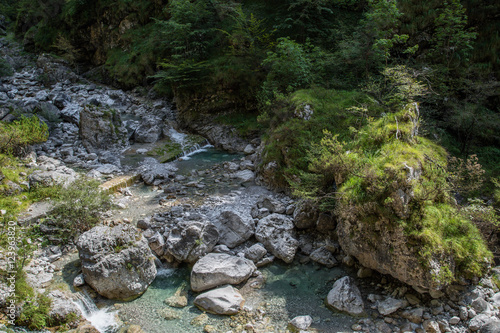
385,184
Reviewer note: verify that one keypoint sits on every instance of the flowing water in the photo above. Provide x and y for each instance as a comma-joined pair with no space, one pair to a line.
288,291
104,319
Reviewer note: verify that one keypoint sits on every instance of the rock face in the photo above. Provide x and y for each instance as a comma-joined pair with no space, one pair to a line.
276,232
234,228
222,136
189,240
305,215
101,128
224,301
148,131
116,262
216,269
345,296
391,256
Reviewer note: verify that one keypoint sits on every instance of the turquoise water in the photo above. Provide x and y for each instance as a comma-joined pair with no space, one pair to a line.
204,158
289,291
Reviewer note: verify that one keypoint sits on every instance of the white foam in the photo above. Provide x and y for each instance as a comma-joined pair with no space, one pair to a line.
165,272
104,320
177,136
198,150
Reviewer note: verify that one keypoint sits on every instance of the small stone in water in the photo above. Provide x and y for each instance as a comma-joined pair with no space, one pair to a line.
199,320
209,329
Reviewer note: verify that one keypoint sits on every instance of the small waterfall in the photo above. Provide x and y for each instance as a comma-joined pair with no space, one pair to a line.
102,319
188,148
193,150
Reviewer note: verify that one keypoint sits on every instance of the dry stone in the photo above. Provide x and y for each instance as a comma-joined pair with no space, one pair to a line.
216,269
345,296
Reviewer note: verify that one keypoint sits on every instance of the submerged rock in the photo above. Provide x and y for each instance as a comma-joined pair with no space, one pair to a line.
116,262
277,233
224,301
345,296
300,323
216,269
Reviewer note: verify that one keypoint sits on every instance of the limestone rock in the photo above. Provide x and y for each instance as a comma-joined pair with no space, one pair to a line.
389,305
430,326
245,175
189,240
345,296
249,149
55,69
51,172
273,205
71,113
157,244
154,173
116,262
482,320
216,269
300,323
255,252
305,215
101,129
414,315
62,306
79,280
224,301
393,255
324,257
148,131
326,222
277,233
234,228
493,326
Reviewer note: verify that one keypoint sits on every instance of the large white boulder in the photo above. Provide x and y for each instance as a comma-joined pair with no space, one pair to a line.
216,269
117,262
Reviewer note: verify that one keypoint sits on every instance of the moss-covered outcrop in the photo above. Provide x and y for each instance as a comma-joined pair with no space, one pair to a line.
386,185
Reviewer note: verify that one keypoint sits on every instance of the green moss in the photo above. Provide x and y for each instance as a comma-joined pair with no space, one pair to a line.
379,171
290,137
245,123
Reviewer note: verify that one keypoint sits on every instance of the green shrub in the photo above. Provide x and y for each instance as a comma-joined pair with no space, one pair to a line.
15,137
361,178
79,207
5,68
